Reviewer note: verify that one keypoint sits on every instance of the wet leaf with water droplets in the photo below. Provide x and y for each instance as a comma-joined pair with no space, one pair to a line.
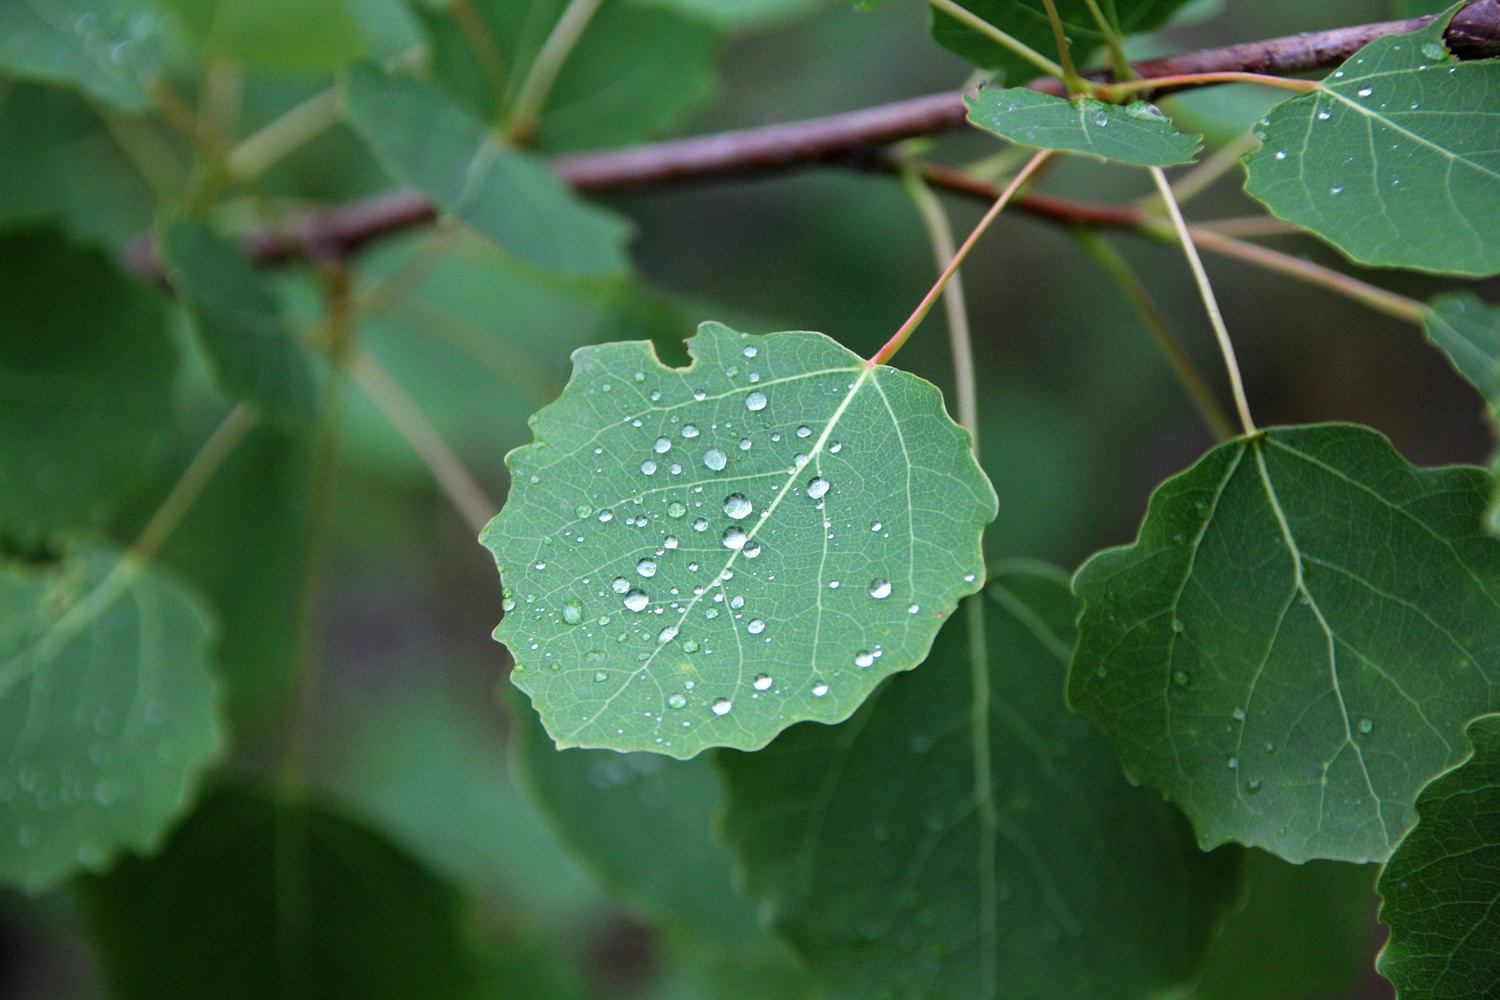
1394,159
109,49
894,869
750,585
106,712
1340,615
1136,134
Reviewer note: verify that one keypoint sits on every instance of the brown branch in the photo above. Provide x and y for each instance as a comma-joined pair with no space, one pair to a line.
843,138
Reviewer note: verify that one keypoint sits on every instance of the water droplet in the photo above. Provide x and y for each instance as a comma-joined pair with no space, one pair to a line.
637,600
666,635
509,604
750,352
1239,715
676,700
1325,114
804,431
689,431
864,658
819,689
1182,678
1366,727
1434,50
1232,763
721,706
734,537
662,445
646,567
669,543
1281,154
600,677
648,467
737,506
606,516
700,524
1253,786
880,589
817,487
676,508
1177,625
715,459
572,612
914,609
762,682
1364,91
876,526
1336,189
755,402
736,602
755,626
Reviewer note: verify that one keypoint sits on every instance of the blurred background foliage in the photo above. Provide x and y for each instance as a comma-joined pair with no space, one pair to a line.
355,609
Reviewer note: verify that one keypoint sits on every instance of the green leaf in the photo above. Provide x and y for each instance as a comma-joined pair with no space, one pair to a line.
703,556
289,36
1026,21
965,836
86,369
1137,133
1440,892
1393,159
106,48
742,15
1468,331
511,197
253,353
255,897
621,814
106,712
1293,644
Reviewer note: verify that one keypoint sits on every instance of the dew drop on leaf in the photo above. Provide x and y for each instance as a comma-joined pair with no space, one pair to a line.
880,589
676,700
734,537
755,402
721,706
817,487
715,459
637,600
755,626
737,506
762,682
646,567
572,612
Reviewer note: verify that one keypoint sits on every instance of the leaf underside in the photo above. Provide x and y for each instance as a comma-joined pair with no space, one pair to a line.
1136,134
703,556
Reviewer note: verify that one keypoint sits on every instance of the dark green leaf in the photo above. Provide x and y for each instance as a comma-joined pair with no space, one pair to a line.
1293,644
1026,20
965,836
742,15
703,556
1394,159
1441,889
106,712
1137,133
86,368
511,197
259,899
298,36
106,48
252,351
1468,331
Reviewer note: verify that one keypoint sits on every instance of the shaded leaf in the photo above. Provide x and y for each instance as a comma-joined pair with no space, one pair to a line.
702,556
106,48
1136,133
965,836
255,897
1293,644
1440,891
1394,159
253,353
298,36
1026,20
1468,331
86,369
742,15
511,197
106,712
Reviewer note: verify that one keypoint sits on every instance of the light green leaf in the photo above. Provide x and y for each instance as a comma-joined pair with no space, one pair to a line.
254,355
964,836
1394,159
742,15
621,814
106,48
703,556
428,140
1293,644
1468,331
1136,133
1026,20
1440,891
106,712
290,36
86,385
256,898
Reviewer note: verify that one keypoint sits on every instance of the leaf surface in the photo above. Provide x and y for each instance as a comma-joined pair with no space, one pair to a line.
1395,159
702,556
1440,892
1026,20
964,836
1468,331
287,36
1136,133
427,139
107,712
1293,644
106,48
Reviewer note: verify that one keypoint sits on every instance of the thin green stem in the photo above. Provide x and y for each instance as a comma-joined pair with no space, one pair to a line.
904,333
1214,166
1126,88
526,111
960,339
994,34
284,135
1071,79
482,44
1210,303
1187,373
1112,40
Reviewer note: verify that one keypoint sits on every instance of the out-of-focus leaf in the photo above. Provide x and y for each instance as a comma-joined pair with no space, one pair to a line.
511,197
1394,159
106,48
702,556
255,898
1468,331
742,15
252,351
86,368
964,835
1440,893
1136,134
106,712
301,36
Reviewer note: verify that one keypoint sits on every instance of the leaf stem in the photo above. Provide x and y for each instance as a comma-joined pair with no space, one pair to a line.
1071,79
1112,39
904,333
1210,303
1186,371
525,112
283,135
466,495
482,44
1126,88
994,34
960,339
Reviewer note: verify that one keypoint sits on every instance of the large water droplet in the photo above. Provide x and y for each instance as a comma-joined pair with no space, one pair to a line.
715,459
817,487
880,589
755,402
762,682
734,537
721,706
755,626
619,585
648,467
637,600
819,689
646,567
666,635
737,506
662,445
864,658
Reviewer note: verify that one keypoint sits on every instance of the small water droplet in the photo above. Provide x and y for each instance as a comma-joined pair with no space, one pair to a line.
689,431
676,700
1325,114
1366,727
676,508
572,612
700,524
734,537
637,600
620,585
1434,50
721,706
1181,678
804,431
690,646
762,682
666,635
864,658
1253,786
648,467
755,402
1364,91
606,516
755,626
750,352
817,487
715,459
1281,154
1177,625
1336,189
1232,763
662,445
819,689
737,506
646,567
880,589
